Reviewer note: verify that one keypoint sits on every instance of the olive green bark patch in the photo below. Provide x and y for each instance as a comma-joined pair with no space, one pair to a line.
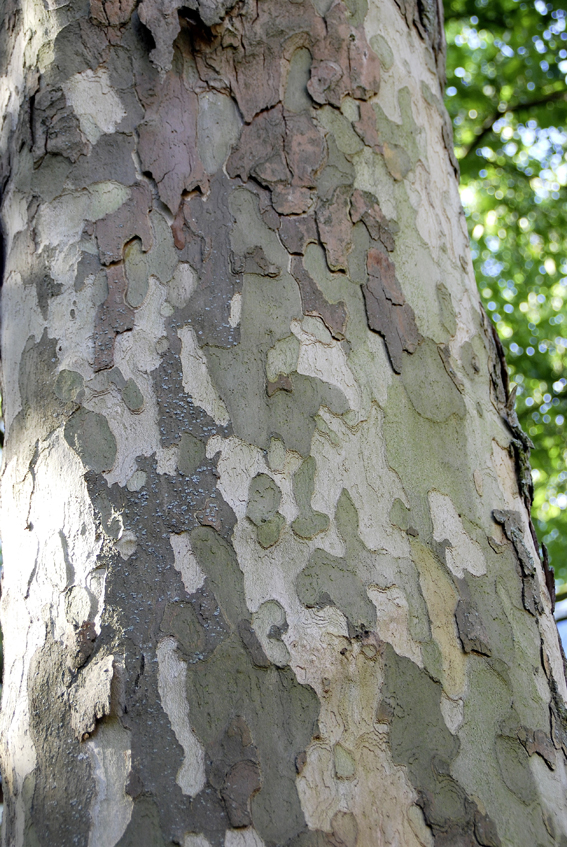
160,261
69,386
334,122
218,129
281,714
181,621
469,359
282,357
309,523
383,51
338,171
37,382
296,97
357,11
446,308
191,454
282,717
402,145
514,765
399,514
419,738
264,499
269,532
99,290
132,396
162,258
328,580
444,463
442,397
91,438
136,273
218,560
345,767
143,829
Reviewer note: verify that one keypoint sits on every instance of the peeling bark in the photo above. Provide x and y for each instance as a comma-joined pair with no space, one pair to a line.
270,577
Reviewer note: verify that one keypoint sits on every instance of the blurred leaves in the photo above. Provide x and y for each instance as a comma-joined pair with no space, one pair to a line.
507,97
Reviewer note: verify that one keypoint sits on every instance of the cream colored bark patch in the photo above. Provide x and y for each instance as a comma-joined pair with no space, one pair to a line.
392,621
240,462
453,713
196,379
112,807
441,597
186,562
62,221
464,554
350,766
372,176
191,840
135,357
355,459
95,103
235,309
127,544
21,318
419,827
172,675
90,696
242,838
322,356
506,476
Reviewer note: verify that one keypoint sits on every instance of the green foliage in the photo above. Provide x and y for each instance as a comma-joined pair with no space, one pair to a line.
507,97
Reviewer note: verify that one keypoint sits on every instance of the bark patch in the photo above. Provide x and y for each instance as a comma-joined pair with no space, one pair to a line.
386,308
113,317
92,439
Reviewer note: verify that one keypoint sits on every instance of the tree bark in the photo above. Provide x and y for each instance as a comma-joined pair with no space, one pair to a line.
270,576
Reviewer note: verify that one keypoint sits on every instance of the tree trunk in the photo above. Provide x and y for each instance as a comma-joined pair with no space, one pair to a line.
270,576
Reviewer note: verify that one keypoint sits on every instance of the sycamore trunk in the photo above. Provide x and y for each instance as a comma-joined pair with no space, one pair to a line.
270,577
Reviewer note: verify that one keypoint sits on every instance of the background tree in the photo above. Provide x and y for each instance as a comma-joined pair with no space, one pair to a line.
270,577
507,98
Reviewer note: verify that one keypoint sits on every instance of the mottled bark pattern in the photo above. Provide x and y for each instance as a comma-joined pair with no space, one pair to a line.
270,578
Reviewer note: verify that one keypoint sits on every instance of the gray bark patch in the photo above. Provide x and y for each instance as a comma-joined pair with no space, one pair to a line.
91,438
57,817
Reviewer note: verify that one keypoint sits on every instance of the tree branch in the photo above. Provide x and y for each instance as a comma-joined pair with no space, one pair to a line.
491,119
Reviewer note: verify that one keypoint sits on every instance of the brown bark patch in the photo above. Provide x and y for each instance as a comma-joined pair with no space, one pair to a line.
55,127
112,12
364,208
235,771
386,309
333,315
168,139
130,220
282,383
471,629
297,232
511,522
260,151
335,228
537,741
304,148
112,318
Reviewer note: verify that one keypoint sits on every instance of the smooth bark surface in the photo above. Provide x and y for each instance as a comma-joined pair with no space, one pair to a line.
270,577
